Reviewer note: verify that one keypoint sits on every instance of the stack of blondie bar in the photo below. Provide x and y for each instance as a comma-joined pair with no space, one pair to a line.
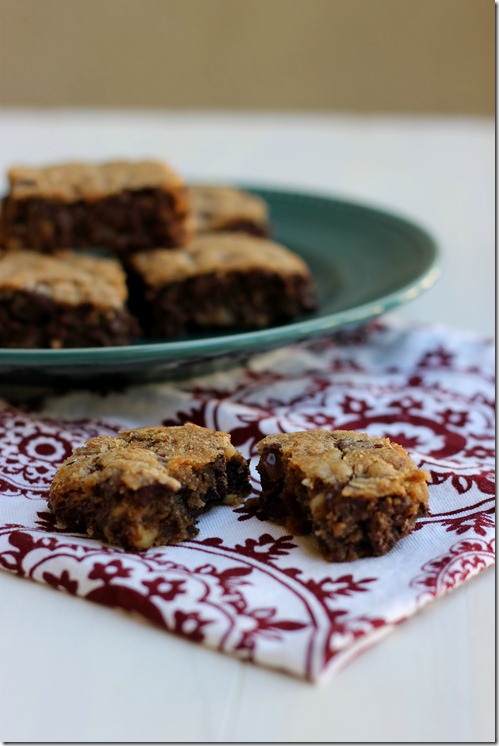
100,255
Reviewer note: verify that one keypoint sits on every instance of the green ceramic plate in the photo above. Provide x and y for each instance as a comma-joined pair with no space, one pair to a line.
365,262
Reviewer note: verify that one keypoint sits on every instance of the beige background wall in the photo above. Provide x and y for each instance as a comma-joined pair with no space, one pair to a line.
428,56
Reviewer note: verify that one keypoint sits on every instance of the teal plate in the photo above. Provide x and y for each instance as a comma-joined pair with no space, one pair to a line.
365,262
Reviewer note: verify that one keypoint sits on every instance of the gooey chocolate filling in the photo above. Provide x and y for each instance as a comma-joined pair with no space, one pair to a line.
125,222
237,299
282,499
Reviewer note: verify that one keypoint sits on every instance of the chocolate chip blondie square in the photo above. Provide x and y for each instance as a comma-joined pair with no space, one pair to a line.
221,208
121,206
147,486
219,281
358,495
63,300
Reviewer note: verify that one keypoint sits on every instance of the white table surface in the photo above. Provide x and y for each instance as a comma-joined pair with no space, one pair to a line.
75,671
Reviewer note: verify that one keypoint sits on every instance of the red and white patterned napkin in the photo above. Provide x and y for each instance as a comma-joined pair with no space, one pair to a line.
244,586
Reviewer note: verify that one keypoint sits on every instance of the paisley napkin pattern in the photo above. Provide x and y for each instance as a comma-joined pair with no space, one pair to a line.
245,586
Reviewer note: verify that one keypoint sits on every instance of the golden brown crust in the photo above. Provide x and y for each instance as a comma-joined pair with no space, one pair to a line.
143,456
182,446
218,253
215,208
105,458
70,182
356,464
65,277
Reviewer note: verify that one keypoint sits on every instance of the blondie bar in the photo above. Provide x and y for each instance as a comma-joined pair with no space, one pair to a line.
219,208
217,281
147,486
63,300
358,495
121,206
